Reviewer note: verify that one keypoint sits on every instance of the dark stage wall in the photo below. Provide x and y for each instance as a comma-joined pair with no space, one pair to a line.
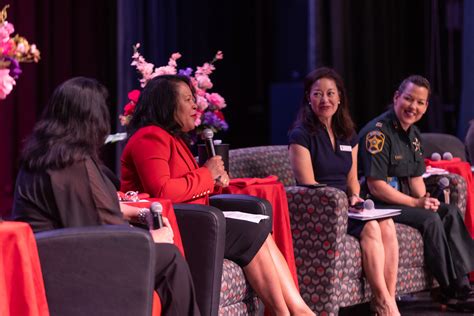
76,38
268,45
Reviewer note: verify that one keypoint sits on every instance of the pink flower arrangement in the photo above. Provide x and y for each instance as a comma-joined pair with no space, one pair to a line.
209,105
13,51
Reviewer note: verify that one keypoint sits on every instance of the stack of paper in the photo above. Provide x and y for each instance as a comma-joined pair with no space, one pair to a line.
367,215
254,218
433,171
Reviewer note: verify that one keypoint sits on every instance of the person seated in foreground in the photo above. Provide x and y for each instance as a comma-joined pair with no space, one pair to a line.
323,149
391,158
157,160
60,184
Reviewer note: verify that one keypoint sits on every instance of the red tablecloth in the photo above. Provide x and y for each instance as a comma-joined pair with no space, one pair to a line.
273,191
168,212
463,169
21,281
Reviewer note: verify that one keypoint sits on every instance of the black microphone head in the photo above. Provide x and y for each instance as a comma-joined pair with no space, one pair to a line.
447,156
443,183
207,134
156,207
369,204
435,156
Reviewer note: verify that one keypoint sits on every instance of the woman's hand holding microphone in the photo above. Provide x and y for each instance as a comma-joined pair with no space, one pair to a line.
218,173
354,200
164,234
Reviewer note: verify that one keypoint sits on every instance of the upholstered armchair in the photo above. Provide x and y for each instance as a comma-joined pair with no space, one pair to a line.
109,270
328,261
441,143
103,270
220,284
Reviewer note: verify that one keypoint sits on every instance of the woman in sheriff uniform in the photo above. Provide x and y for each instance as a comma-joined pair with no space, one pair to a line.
391,160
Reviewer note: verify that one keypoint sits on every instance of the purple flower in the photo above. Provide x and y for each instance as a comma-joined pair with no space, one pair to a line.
211,119
15,70
186,72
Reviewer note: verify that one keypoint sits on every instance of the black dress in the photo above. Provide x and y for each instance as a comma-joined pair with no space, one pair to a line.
330,166
81,195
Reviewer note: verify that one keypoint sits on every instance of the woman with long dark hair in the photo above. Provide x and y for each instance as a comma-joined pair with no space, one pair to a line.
60,184
323,149
157,160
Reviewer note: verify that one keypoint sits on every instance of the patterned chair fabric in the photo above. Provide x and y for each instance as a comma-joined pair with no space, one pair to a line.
328,261
260,162
237,296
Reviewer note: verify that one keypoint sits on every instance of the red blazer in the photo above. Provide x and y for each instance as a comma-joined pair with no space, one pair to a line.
161,165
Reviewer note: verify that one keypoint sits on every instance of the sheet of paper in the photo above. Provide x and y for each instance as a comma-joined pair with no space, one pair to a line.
433,171
254,218
112,138
367,215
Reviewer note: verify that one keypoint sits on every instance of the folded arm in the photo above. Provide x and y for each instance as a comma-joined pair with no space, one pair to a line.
386,193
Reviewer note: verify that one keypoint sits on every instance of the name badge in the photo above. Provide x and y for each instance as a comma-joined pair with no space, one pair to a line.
345,148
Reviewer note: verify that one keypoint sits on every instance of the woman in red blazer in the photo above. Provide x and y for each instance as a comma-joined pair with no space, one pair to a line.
157,160
61,184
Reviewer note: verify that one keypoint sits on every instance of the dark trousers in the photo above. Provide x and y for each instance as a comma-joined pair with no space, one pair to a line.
173,282
448,247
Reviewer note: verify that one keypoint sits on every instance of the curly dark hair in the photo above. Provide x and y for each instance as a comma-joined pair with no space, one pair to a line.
342,124
157,105
72,127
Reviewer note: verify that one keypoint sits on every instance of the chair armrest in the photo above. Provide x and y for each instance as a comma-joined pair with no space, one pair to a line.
100,270
321,210
457,188
202,230
242,203
319,225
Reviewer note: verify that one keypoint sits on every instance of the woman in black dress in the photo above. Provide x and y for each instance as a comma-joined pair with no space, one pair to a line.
323,149
60,184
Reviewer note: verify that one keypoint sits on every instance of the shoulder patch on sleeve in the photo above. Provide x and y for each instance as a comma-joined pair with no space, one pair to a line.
374,142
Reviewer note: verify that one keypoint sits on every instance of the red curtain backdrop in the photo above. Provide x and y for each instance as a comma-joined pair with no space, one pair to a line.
76,38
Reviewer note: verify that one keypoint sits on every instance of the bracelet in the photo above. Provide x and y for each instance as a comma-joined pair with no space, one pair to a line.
131,196
142,216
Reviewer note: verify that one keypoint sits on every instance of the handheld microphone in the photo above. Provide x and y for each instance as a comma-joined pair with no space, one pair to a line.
369,205
435,156
443,183
447,156
156,209
207,136
366,205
